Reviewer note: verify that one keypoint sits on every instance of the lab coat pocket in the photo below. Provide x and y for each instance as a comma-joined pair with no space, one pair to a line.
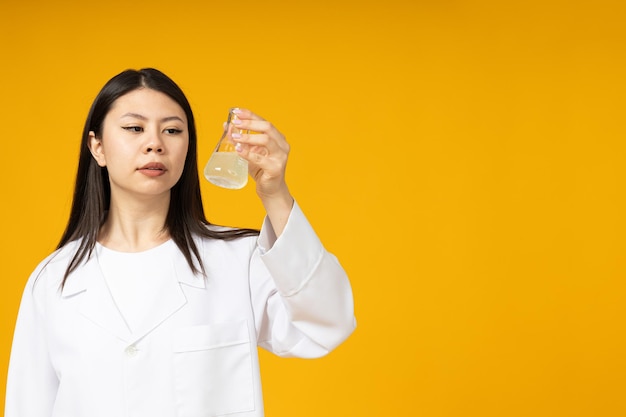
213,370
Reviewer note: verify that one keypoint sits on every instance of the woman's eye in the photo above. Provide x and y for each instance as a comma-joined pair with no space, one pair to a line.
133,128
173,131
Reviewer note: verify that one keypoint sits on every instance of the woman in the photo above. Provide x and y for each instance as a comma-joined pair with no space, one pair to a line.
146,309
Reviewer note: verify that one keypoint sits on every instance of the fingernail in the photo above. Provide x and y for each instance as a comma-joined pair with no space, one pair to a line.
238,147
236,110
236,135
236,122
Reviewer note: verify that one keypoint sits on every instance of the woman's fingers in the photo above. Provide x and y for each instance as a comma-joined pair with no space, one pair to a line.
246,120
262,134
258,149
261,140
266,150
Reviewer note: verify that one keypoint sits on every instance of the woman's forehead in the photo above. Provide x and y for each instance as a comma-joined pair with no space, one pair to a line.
147,103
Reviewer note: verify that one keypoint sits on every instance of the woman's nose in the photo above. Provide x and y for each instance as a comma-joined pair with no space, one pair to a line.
154,148
155,144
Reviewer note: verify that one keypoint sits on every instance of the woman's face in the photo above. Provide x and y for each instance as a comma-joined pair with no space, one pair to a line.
144,144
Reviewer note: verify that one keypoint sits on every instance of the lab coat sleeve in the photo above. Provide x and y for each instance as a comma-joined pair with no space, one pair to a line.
304,304
32,382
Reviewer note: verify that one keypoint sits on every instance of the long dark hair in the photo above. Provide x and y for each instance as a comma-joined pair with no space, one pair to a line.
92,192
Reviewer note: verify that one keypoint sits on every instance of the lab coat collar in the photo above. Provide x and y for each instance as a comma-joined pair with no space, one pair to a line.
81,279
185,275
98,305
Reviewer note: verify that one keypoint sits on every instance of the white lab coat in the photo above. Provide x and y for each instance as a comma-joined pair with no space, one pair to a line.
74,356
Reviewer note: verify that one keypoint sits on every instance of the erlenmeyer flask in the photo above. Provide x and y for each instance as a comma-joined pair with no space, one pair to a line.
226,168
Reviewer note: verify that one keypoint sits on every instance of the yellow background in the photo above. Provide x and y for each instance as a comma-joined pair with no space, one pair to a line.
463,159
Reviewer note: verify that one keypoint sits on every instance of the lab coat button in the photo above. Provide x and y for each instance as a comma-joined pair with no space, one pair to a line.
131,350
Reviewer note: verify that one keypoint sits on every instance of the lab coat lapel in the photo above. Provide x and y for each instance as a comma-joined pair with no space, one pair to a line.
97,304
168,299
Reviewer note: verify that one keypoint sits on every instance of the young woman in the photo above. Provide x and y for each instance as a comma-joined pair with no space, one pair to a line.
146,309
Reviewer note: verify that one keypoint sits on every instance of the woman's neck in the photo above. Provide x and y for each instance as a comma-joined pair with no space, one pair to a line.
135,225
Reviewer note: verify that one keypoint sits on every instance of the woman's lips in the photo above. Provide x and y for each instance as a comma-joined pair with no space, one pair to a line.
153,169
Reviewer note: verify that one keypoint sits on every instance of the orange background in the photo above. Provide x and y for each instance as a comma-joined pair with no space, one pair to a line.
463,159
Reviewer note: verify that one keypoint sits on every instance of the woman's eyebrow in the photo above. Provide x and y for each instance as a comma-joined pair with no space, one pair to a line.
134,115
142,117
170,118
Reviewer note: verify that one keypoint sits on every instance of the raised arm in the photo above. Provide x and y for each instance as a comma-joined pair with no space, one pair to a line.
266,151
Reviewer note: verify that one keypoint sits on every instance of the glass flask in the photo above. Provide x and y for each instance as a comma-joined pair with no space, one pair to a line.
226,168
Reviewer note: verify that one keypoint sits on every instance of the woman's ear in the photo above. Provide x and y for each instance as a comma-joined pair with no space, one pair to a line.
95,146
